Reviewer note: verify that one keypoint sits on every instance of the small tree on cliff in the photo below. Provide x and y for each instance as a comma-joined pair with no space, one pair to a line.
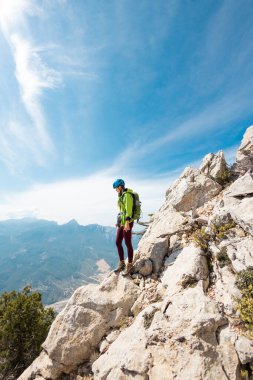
24,324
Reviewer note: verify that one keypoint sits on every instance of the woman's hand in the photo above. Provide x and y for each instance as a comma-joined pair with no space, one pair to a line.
127,227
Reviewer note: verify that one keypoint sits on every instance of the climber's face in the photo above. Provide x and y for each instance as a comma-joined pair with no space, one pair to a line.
119,189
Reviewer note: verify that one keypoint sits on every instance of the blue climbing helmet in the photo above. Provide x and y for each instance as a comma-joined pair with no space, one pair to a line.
118,182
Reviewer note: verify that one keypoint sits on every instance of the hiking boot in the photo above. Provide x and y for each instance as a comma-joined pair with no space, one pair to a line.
128,269
120,267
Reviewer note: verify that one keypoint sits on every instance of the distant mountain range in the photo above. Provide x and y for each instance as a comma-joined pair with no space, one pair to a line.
54,259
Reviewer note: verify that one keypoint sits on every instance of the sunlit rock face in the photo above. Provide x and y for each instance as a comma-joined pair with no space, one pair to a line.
244,156
176,316
214,165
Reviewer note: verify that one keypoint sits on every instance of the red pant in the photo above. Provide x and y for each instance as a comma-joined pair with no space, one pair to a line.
127,235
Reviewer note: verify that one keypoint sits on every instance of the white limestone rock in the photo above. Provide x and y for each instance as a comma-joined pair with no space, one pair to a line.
170,260
192,190
181,342
244,156
240,253
214,165
176,242
127,356
90,313
225,289
143,266
103,346
242,186
42,368
154,244
167,222
188,334
242,213
112,336
228,354
244,348
190,266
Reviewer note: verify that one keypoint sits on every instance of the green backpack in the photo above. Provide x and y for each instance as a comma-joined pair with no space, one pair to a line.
136,205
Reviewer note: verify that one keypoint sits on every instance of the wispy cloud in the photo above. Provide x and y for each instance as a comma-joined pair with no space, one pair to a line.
85,200
213,117
33,77
225,54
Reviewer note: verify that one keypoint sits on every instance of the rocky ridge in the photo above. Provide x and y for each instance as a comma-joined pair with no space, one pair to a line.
177,317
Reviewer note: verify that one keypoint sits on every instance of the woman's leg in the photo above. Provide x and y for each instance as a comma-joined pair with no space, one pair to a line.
128,241
119,239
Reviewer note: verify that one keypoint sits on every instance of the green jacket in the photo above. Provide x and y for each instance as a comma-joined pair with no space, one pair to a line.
125,203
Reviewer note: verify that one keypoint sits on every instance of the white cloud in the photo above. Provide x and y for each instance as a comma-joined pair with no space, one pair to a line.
91,199
88,200
33,76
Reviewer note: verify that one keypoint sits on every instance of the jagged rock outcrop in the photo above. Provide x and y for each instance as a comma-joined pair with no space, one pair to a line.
214,165
192,190
243,186
75,334
177,317
244,156
154,245
237,202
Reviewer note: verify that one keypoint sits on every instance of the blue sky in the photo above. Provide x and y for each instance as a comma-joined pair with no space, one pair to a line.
96,90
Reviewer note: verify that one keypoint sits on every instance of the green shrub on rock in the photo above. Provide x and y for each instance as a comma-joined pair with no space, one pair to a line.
224,178
220,230
201,238
245,304
244,279
24,325
223,258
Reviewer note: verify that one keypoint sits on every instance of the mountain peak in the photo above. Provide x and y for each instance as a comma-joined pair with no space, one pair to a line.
72,222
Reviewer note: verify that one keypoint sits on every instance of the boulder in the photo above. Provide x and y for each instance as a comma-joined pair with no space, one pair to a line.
154,244
155,251
240,253
228,354
244,348
214,165
191,190
89,314
242,186
244,156
143,266
167,222
42,368
242,213
189,267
